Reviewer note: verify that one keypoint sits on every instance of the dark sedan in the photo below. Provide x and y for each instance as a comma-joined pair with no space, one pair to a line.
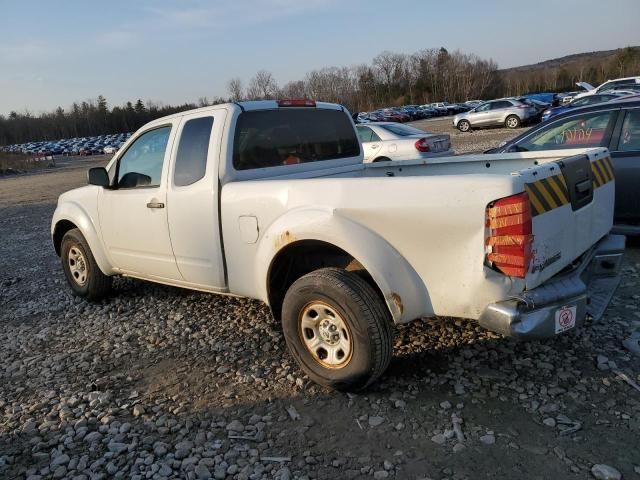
615,125
581,102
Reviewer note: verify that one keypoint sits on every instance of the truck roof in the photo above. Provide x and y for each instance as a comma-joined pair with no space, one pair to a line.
247,106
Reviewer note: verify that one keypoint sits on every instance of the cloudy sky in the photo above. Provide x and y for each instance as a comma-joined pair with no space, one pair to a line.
53,53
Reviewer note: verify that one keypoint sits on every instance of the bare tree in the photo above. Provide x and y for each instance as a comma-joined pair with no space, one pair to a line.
234,86
262,86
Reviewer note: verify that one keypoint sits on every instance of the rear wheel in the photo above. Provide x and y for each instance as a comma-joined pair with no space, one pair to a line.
464,125
337,328
80,268
512,121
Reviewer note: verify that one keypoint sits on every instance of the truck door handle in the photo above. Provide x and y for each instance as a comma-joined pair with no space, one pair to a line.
583,186
155,205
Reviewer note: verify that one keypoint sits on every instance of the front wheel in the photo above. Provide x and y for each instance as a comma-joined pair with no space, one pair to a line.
83,274
337,328
512,121
464,125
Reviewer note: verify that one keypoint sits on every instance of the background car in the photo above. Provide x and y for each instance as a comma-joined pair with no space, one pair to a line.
618,83
506,112
390,141
580,102
614,124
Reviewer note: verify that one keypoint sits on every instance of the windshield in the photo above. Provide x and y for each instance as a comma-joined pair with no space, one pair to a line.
403,130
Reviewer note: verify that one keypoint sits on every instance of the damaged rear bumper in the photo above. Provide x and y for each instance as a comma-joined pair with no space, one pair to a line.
563,302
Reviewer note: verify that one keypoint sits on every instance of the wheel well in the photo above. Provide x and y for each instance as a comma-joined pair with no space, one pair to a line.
381,159
62,227
305,256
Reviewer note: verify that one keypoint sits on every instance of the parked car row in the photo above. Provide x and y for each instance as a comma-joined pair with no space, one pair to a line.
73,146
414,112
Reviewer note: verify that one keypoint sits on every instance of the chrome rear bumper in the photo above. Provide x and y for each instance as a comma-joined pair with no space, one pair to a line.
588,287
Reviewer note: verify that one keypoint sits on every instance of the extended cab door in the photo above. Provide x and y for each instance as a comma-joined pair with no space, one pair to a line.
133,214
192,199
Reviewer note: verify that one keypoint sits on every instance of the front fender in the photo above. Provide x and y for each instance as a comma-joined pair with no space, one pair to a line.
404,292
76,214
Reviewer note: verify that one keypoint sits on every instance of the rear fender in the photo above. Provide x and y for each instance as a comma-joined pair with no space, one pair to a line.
403,290
74,213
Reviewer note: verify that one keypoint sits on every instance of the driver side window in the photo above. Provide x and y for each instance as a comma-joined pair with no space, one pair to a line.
141,164
483,108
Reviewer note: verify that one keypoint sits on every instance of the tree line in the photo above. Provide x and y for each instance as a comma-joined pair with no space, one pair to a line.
390,79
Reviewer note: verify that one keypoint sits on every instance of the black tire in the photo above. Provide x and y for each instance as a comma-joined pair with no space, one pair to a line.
363,312
464,125
512,121
381,159
94,284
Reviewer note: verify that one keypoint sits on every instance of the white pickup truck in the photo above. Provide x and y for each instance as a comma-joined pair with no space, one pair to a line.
271,200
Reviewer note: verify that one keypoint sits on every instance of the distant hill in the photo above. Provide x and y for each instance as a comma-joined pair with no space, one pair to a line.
569,61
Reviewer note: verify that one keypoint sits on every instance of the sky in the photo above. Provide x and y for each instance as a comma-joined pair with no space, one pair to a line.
53,53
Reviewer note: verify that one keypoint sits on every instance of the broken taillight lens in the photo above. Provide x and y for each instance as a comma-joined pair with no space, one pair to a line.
508,245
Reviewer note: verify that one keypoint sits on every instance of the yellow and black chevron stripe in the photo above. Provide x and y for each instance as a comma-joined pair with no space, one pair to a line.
602,172
551,192
547,194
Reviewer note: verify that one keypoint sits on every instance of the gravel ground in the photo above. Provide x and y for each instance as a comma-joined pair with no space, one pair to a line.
160,382
470,142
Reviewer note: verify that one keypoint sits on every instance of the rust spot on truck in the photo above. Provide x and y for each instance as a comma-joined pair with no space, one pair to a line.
284,239
397,301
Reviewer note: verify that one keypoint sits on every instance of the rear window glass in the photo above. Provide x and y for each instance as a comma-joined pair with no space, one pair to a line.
191,159
403,130
270,138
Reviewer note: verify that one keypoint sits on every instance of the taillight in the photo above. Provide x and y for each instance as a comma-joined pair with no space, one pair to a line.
297,102
422,145
508,246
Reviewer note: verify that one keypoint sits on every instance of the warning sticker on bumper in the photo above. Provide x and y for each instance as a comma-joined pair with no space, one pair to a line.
565,318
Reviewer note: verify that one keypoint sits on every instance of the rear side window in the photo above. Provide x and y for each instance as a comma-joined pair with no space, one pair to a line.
501,104
580,131
403,130
270,138
191,158
630,134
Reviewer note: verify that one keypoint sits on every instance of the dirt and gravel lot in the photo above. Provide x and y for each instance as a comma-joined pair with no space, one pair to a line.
469,142
160,382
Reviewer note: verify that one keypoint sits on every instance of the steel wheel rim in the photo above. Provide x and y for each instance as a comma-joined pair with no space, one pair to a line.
77,265
325,335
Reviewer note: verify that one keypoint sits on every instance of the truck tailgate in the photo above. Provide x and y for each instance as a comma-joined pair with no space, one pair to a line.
572,203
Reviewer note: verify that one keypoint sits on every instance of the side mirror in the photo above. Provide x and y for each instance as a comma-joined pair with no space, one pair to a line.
98,176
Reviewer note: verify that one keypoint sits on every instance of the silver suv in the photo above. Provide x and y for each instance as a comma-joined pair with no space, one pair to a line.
507,112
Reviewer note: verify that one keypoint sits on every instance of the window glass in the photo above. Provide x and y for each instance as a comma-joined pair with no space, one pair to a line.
501,104
191,158
403,130
580,131
630,134
270,138
365,134
141,164
484,107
